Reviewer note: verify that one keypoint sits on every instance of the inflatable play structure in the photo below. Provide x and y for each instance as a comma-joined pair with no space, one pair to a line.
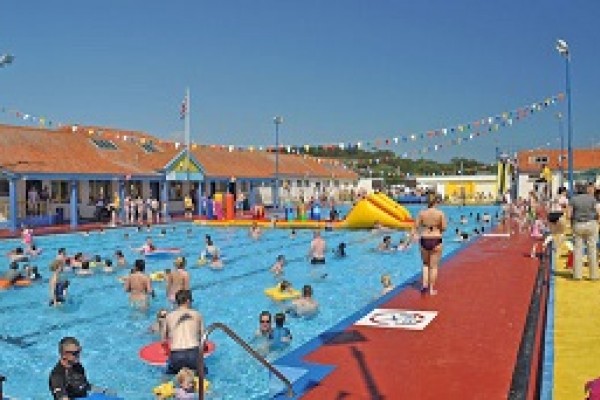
375,209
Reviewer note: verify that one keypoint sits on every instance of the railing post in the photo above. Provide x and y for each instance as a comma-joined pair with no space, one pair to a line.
2,379
245,346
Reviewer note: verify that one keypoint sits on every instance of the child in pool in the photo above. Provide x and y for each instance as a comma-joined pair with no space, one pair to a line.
386,282
185,385
277,268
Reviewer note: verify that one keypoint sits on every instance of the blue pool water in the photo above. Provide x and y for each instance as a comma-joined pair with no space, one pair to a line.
112,334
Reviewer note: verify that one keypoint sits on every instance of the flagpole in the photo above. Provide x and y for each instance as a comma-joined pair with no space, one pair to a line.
187,132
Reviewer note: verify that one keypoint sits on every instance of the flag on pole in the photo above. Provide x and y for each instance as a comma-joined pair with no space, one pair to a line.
184,107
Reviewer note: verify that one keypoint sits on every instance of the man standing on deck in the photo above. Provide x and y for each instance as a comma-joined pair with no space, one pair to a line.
584,223
182,333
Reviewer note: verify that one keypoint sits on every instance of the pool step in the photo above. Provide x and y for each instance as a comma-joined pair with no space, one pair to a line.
276,386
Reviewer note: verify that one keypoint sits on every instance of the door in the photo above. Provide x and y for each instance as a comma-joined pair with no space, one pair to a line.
155,190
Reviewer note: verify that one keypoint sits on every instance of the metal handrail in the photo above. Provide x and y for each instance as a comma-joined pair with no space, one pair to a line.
2,379
245,346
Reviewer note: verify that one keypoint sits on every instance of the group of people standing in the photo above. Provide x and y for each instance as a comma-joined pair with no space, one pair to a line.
137,209
550,217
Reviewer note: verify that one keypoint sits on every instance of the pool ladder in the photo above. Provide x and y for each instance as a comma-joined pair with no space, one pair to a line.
245,346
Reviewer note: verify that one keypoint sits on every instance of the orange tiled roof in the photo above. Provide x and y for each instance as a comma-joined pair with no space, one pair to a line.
70,150
583,159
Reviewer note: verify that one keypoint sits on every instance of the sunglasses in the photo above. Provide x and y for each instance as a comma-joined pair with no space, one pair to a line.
265,321
162,316
75,353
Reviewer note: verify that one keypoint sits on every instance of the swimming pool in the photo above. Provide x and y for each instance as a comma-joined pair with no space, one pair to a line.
112,334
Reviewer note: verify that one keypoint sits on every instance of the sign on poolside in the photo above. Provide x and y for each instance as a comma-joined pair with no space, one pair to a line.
400,319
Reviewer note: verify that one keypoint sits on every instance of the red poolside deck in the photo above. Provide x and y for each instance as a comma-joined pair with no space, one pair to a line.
467,352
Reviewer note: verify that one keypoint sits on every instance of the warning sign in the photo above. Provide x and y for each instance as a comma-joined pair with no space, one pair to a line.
401,319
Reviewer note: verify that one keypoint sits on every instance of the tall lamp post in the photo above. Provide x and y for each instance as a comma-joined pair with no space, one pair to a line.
277,121
561,158
6,59
563,49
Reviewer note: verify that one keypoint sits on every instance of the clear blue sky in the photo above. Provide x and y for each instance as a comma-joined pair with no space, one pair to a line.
336,70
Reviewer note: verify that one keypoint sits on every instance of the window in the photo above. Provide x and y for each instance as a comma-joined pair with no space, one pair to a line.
306,183
59,192
336,183
99,190
149,147
298,183
133,189
175,191
538,160
104,144
4,187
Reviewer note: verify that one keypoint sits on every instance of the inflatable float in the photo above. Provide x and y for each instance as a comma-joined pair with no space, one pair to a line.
158,276
167,389
163,252
374,208
157,353
23,283
5,284
276,294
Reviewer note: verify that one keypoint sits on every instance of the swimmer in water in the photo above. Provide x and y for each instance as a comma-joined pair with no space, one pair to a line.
85,269
277,268
305,305
121,261
139,286
255,231
386,244
158,324
340,250
108,266
148,247
318,247
386,282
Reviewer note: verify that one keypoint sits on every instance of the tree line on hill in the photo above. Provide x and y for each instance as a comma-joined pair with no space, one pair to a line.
395,170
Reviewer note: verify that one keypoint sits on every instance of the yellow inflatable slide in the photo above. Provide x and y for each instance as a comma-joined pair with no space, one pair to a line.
378,208
374,208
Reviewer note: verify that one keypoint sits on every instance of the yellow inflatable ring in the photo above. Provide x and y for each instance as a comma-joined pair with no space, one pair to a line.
157,276
167,389
276,294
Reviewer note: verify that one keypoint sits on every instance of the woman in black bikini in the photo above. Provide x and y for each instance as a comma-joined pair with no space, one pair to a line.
429,225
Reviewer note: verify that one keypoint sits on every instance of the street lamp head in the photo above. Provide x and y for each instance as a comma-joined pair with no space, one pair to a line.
278,120
6,59
562,47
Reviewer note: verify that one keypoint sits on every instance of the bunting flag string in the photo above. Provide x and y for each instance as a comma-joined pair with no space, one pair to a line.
460,133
